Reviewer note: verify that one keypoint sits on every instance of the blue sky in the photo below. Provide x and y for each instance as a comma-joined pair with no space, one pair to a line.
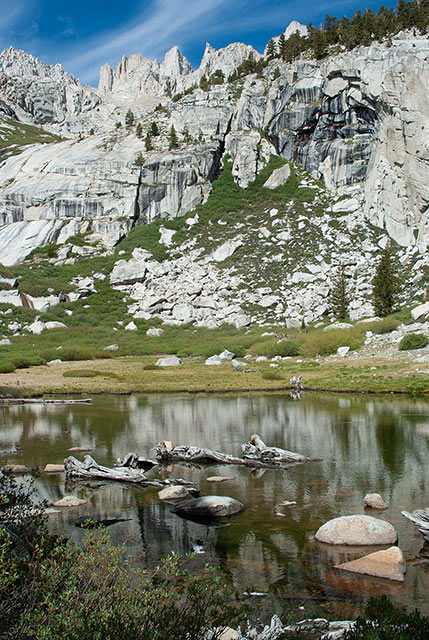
84,34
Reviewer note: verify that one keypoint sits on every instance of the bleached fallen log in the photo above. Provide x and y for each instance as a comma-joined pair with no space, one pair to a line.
89,469
420,517
134,461
256,449
8,401
255,454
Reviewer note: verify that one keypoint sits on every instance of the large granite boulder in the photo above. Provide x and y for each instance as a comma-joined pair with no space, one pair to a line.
357,530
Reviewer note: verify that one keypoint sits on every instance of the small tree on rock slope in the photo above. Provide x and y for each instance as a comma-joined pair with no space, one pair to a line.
339,299
385,284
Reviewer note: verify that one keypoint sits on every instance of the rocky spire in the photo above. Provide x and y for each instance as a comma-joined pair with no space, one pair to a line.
175,64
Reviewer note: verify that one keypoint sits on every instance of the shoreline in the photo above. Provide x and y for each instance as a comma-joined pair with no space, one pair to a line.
128,375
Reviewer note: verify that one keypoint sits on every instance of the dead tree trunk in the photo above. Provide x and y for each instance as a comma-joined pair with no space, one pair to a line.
90,470
255,454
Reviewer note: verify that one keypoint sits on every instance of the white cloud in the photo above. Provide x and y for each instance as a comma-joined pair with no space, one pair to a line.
68,26
169,22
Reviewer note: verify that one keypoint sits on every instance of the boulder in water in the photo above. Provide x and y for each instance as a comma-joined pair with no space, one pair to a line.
209,507
357,530
388,564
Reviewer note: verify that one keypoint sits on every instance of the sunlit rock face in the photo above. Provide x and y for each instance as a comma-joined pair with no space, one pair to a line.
358,117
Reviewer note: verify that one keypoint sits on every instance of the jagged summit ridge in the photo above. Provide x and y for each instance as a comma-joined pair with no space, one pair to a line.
138,78
18,63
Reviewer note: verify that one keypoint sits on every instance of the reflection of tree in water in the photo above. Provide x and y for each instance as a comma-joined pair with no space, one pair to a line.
392,443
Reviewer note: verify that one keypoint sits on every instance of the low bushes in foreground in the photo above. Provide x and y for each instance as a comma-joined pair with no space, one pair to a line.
52,588
382,620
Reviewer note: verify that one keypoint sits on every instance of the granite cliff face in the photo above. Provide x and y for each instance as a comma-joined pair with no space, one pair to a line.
357,120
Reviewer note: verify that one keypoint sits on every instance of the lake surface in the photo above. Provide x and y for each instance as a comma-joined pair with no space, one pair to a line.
367,444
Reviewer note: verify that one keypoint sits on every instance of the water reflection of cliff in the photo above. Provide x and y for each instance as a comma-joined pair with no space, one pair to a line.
366,444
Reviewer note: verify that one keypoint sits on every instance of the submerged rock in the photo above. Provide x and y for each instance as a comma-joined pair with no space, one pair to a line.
388,564
15,468
88,522
357,530
209,507
176,492
69,501
54,468
375,501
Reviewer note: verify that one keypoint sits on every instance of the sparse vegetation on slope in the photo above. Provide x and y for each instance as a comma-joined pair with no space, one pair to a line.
15,136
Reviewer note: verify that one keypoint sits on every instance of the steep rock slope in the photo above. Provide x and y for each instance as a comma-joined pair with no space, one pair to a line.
358,117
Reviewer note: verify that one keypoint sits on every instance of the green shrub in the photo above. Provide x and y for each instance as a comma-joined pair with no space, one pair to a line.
81,373
271,375
386,325
413,341
324,343
6,366
384,621
89,373
272,348
22,362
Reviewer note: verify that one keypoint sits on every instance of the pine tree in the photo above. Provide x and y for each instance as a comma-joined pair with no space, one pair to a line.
385,285
129,119
148,142
338,299
139,130
282,46
271,49
139,161
154,131
186,135
204,83
172,137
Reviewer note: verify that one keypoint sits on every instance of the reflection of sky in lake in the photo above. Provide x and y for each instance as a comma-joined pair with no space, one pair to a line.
366,445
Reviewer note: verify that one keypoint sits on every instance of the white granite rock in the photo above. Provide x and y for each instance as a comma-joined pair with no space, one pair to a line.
154,332
226,250
357,530
342,351
169,361
375,501
278,177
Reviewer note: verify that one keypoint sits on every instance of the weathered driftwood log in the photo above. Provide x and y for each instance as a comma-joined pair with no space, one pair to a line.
421,518
90,470
134,461
44,401
255,454
256,449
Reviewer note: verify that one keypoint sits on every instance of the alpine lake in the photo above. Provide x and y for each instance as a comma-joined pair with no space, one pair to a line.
367,444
